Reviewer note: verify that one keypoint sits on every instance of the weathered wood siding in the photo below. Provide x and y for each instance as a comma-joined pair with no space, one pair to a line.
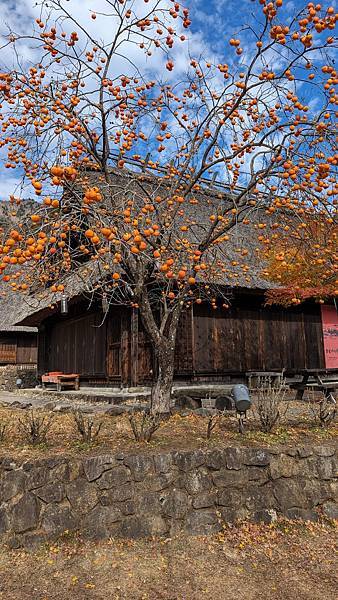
18,348
129,352
76,345
115,349
8,349
184,358
27,350
258,338
210,343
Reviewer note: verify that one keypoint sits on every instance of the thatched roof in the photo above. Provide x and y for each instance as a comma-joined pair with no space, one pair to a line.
11,213
212,198
242,270
13,309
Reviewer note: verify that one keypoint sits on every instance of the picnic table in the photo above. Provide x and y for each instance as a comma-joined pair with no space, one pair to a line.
323,380
70,380
259,379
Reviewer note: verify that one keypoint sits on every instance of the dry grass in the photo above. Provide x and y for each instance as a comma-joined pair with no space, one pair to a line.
246,562
178,433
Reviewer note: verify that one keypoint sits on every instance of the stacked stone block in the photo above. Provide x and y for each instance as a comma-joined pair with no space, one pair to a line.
144,495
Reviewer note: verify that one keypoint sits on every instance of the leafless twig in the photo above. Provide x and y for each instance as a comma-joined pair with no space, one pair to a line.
323,411
213,421
3,427
35,427
86,426
270,405
144,425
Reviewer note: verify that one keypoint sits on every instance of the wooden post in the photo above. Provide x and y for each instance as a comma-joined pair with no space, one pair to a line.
42,358
192,325
16,349
125,355
134,347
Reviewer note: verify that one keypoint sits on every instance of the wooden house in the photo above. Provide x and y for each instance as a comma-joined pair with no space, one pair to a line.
212,345
110,347
18,343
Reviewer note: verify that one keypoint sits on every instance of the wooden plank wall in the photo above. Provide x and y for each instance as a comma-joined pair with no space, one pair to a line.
245,339
114,349
210,343
18,348
129,352
184,359
8,350
77,345
27,351
146,368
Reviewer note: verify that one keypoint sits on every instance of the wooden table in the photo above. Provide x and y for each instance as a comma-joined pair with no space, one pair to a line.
71,380
258,379
323,380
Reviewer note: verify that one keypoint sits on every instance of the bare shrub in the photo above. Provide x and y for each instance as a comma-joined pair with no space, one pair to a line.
323,411
270,405
213,421
86,427
3,427
144,425
34,427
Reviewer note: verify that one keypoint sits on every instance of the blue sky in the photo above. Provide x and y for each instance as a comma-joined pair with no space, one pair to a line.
218,20
214,22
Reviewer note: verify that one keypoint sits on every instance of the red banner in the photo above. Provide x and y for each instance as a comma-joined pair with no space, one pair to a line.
330,335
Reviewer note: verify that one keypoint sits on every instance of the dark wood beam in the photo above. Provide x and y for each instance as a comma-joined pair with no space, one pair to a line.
134,347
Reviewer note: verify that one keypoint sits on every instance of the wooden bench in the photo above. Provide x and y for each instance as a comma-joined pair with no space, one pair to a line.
258,379
68,380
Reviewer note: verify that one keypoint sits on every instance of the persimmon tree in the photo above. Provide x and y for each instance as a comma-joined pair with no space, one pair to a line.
303,260
143,169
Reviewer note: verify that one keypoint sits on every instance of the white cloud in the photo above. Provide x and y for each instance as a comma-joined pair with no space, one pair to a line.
19,16
11,185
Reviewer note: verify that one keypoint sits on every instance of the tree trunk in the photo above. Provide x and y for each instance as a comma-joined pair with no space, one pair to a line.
163,339
160,399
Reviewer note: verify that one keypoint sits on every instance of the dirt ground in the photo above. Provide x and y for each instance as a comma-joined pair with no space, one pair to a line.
298,427
284,561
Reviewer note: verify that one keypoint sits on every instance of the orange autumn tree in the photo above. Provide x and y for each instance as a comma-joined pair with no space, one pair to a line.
117,140
303,259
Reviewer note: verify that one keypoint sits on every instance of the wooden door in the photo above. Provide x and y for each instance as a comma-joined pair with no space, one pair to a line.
77,345
114,358
145,358
129,351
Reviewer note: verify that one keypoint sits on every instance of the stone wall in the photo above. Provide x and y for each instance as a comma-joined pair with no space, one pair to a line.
10,373
162,494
